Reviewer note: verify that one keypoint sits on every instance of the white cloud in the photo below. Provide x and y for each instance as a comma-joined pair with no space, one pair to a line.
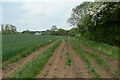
44,0
58,0
43,8
0,13
42,15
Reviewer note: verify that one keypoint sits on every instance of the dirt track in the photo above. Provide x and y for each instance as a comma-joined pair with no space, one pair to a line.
56,68
79,65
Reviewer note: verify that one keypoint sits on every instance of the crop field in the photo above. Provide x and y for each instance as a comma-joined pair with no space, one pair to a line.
17,46
31,56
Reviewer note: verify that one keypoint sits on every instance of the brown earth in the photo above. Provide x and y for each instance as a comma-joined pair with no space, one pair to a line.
14,66
56,67
80,67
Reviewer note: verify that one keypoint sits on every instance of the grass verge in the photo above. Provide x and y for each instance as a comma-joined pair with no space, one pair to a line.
111,51
103,64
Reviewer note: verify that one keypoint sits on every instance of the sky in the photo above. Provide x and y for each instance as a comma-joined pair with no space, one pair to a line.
37,15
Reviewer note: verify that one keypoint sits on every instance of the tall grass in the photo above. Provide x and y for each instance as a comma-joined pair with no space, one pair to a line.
111,51
32,68
99,60
104,64
23,44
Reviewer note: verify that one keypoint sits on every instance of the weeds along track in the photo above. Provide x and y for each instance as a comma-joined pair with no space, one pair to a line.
89,69
16,65
96,65
110,66
113,63
98,68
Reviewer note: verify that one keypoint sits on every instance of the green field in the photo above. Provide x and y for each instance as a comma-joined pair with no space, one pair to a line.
18,46
31,69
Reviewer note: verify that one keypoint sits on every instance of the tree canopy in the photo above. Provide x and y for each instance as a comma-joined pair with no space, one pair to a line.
98,21
8,28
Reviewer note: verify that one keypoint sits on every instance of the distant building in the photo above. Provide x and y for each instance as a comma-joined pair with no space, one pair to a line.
37,33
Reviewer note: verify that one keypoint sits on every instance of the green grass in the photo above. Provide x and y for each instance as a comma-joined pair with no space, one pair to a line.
32,68
76,47
16,46
103,64
111,51
99,60
22,54
79,51
68,59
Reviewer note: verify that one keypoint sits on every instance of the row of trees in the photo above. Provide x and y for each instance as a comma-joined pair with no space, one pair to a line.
98,21
11,29
61,32
8,29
